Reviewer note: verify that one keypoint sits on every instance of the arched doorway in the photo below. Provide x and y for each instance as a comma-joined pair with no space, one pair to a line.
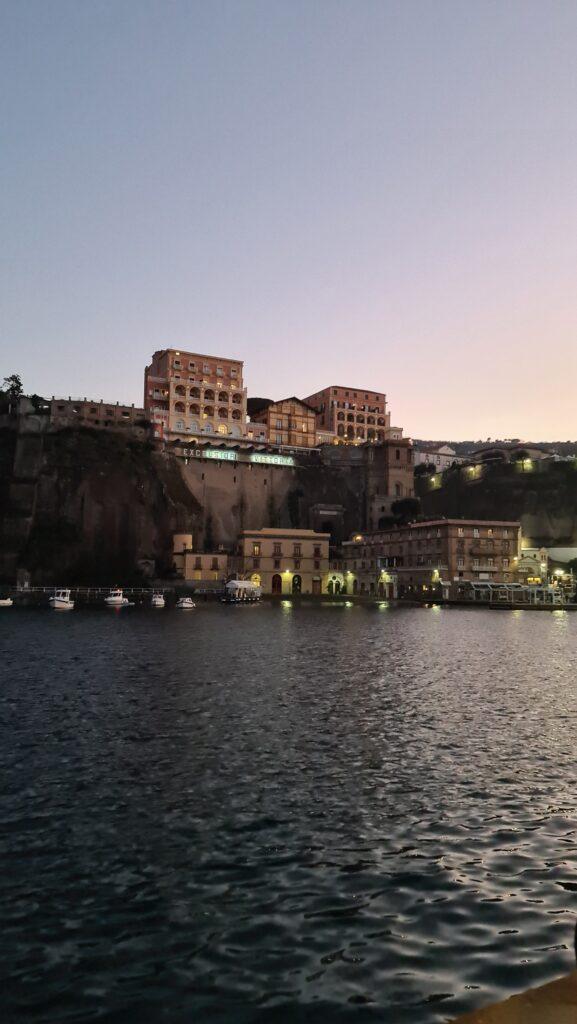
297,584
255,578
330,587
276,584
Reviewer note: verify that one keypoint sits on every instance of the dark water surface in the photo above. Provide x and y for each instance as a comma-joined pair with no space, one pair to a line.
284,813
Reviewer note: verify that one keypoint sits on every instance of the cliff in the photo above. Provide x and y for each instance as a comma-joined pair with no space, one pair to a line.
543,499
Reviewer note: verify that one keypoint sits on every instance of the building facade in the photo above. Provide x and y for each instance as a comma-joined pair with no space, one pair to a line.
84,412
289,422
352,414
284,561
426,555
441,457
191,395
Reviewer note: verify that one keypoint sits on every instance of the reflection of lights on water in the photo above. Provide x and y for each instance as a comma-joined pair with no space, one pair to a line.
286,606
383,605
348,604
435,607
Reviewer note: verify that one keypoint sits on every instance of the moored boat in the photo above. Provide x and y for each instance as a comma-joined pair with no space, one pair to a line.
241,592
158,601
61,602
6,602
185,602
116,599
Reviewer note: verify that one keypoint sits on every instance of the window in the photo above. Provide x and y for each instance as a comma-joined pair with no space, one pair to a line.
205,368
192,366
505,563
177,363
490,531
233,371
214,563
198,563
256,548
317,564
297,562
278,424
219,371
276,548
317,551
277,563
475,563
490,561
460,563
505,533
296,550
475,531
278,438
256,563
397,453
460,531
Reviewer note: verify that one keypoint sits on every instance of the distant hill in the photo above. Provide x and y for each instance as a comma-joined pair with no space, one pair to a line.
463,448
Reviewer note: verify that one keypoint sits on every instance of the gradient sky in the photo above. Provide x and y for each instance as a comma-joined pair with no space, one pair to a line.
381,194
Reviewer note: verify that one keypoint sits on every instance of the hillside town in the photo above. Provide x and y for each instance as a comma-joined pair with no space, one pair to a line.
353,526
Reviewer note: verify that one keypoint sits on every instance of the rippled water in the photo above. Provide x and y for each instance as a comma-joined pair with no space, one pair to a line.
284,813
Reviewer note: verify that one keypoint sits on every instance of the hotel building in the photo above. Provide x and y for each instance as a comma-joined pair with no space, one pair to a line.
428,555
353,414
190,395
289,422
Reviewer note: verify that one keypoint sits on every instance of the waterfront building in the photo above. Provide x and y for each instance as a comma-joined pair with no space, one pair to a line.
284,561
201,567
188,395
96,414
426,555
387,475
441,457
288,422
533,565
352,414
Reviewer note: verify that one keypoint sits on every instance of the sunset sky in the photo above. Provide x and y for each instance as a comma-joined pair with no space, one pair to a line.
381,194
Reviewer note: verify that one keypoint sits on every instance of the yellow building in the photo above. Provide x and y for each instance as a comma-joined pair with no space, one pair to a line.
285,561
196,566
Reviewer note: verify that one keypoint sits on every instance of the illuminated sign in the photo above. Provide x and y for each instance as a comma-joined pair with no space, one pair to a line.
227,455
272,460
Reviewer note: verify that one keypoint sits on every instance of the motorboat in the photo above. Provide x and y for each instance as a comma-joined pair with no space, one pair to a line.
185,602
158,601
116,599
241,592
61,602
6,602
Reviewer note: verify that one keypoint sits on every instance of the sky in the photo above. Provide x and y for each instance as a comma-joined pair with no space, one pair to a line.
381,193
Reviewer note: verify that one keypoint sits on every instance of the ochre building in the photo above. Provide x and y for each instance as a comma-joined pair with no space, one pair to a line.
353,414
288,422
426,555
284,561
187,395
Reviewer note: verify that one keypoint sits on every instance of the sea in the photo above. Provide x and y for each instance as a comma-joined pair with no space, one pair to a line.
284,812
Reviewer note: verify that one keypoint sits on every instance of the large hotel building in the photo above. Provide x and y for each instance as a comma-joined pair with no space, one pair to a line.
351,414
190,394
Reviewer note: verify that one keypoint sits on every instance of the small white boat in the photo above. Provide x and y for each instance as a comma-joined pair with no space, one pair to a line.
185,602
158,601
116,599
60,600
6,602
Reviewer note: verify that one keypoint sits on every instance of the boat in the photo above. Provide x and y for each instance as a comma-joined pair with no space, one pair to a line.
61,602
241,592
116,599
6,602
158,601
185,602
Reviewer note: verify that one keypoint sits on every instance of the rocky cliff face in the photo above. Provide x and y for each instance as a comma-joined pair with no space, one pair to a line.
544,499
89,506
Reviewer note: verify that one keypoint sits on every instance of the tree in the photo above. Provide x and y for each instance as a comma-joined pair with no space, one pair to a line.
13,386
406,509
424,469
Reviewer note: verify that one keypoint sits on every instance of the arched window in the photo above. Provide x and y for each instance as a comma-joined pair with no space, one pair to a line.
179,390
380,422
371,434
208,427
223,413
237,399
341,430
194,392
236,414
222,428
194,427
179,407
223,397
209,410
276,584
360,419
340,415
297,584
360,432
179,425
194,409
370,419
209,395
350,431
350,417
